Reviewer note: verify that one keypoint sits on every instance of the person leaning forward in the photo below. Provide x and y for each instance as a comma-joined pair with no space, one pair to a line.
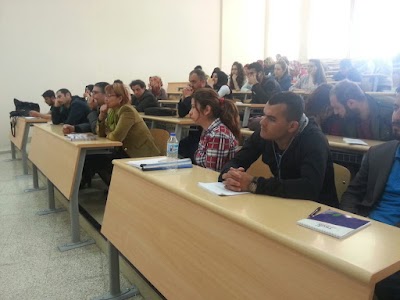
294,148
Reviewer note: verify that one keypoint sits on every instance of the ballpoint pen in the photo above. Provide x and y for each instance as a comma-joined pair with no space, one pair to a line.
315,212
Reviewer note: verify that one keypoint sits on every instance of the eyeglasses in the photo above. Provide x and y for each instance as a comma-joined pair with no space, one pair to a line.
96,92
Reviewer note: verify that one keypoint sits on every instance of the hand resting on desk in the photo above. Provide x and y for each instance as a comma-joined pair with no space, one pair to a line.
237,180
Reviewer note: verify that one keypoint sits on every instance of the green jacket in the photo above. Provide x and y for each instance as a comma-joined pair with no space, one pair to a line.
127,126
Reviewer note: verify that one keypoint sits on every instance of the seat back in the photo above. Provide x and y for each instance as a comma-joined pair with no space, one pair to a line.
259,169
342,179
161,137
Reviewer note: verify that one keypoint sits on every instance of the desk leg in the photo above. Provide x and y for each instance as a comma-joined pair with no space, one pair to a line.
115,292
153,124
74,210
13,156
35,181
246,117
52,203
178,132
375,86
23,149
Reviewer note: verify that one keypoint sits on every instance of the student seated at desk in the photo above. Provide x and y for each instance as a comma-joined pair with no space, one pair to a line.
246,85
119,121
50,99
262,87
375,193
95,101
237,77
294,148
220,119
281,75
142,97
188,145
319,108
69,109
156,88
364,117
314,78
219,82
347,71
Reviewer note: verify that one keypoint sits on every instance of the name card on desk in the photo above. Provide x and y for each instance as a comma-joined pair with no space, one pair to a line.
354,142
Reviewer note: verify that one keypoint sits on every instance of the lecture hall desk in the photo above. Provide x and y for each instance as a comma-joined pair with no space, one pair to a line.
178,122
61,161
192,244
20,140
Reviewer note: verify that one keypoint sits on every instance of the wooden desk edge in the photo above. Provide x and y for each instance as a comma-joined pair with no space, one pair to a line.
332,262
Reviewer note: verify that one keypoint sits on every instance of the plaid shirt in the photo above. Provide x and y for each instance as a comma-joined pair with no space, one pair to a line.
216,147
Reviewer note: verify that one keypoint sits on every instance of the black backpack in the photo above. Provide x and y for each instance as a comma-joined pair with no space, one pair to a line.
22,109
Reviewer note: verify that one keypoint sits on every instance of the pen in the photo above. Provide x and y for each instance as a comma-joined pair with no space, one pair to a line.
314,212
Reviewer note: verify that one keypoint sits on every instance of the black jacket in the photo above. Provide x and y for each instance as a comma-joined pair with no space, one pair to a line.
75,114
91,125
262,92
285,82
145,101
306,169
367,187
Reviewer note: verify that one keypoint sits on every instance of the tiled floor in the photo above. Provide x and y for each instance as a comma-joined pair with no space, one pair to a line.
31,266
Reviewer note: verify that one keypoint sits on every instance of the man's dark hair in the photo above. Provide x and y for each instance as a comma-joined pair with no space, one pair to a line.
198,67
256,66
118,81
346,63
199,73
318,101
102,85
137,82
64,91
346,90
294,104
89,87
49,94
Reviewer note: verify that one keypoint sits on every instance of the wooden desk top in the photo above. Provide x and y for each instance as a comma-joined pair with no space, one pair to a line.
241,92
168,119
251,105
335,142
100,142
369,256
169,101
32,120
338,143
20,127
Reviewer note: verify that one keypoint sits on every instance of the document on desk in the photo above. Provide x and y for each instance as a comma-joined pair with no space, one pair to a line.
156,164
219,189
354,142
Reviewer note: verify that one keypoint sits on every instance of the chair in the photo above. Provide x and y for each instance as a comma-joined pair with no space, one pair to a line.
259,168
161,137
342,179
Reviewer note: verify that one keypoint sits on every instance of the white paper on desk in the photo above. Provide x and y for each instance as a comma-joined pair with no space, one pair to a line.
219,189
30,118
149,161
354,142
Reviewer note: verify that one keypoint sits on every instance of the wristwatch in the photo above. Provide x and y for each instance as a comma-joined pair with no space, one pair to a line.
253,185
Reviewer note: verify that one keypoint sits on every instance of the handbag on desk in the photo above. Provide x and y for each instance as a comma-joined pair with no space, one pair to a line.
22,109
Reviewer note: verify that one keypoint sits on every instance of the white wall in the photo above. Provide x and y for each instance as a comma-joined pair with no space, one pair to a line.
243,32
51,44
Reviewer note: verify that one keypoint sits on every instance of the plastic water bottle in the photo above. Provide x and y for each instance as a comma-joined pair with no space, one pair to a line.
172,147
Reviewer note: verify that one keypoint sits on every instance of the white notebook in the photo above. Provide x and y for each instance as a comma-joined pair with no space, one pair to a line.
219,189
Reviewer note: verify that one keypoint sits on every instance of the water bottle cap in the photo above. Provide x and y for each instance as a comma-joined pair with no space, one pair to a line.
173,134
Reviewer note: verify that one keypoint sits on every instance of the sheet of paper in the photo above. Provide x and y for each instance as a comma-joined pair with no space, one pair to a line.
219,189
354,141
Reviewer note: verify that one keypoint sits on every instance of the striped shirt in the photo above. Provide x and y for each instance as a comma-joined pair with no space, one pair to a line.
216,147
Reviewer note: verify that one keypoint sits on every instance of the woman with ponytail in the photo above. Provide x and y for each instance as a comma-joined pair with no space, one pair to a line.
220,121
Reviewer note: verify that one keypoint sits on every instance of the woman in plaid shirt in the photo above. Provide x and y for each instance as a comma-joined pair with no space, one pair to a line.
220,121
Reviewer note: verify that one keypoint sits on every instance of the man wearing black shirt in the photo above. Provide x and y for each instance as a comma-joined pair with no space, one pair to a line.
69,109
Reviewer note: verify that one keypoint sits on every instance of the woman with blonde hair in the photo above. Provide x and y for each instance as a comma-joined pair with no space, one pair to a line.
220,121
156,88
119,121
